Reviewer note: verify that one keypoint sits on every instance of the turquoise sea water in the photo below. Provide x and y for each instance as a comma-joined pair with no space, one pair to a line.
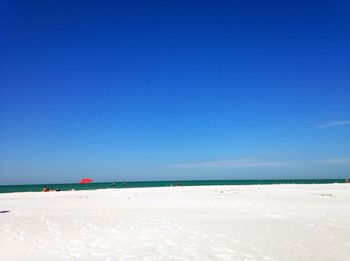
142,184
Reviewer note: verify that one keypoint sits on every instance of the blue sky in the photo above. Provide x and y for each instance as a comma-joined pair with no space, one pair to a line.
149,90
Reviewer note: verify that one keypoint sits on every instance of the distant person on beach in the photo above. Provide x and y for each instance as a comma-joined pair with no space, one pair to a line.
114,184
45,189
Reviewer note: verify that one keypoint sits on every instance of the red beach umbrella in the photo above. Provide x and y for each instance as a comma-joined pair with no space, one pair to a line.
85,181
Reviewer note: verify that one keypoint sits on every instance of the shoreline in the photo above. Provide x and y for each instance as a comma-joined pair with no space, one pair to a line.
145,184
170,187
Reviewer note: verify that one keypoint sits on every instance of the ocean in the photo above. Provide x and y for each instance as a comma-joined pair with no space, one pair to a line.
143,184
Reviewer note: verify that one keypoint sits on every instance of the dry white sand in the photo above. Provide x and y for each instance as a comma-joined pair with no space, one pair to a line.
266,222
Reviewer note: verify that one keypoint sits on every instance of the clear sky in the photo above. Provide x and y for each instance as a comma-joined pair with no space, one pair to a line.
168,90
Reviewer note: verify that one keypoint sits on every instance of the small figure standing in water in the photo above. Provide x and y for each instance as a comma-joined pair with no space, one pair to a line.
114,183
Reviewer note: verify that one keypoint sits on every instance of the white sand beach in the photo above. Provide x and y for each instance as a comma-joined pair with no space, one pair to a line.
256,222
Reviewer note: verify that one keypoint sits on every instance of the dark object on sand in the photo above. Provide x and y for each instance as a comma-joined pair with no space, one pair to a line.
45,189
